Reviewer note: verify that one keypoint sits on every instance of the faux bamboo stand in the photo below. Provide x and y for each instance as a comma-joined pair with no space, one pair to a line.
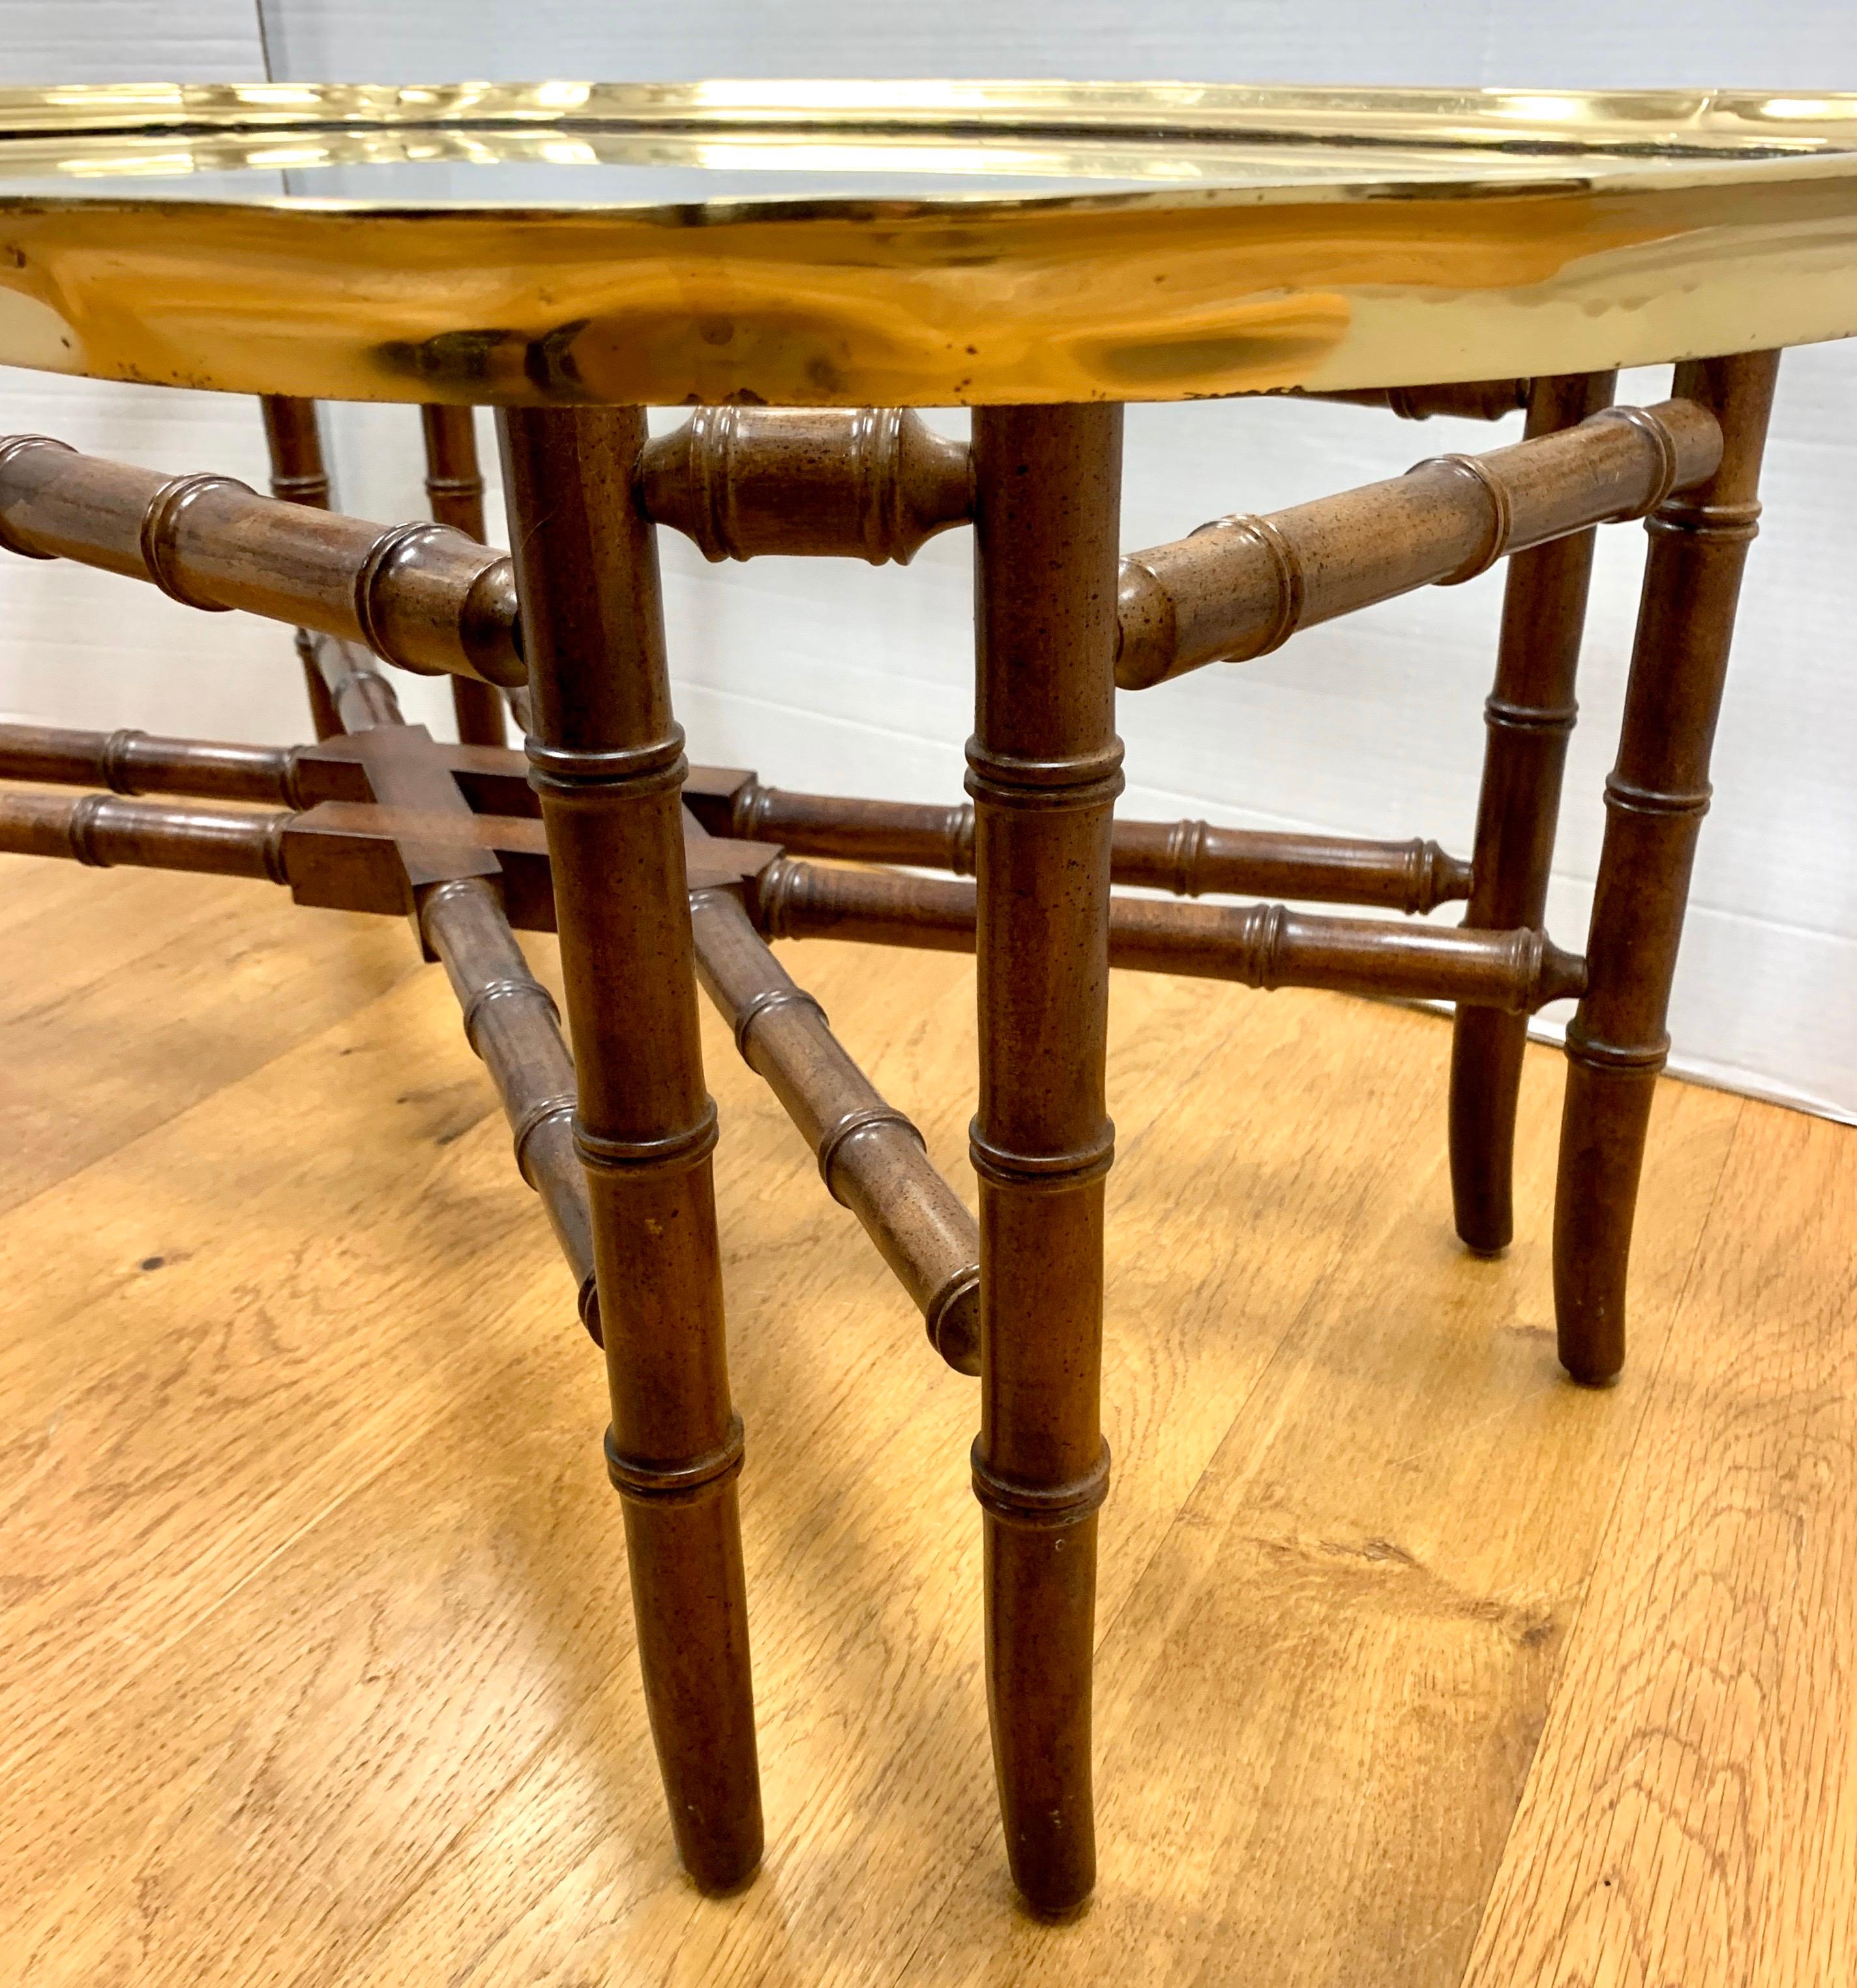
661,878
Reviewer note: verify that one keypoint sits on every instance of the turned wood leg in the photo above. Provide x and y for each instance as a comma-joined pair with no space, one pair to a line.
1655,800
477,710
1529,715
299,475
607,763
454,489
1045,769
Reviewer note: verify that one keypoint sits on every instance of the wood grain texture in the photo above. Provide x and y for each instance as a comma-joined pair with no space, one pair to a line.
185,984
216,1383
1322,1696
1691,1816
316,1661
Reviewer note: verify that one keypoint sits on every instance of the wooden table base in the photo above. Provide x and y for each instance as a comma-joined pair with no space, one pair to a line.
660,877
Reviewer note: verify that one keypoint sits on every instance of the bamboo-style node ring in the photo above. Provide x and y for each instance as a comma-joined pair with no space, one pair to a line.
390,552
565,772
1669,465
1266,934
1185,850
712,441
508,987
1057,1172
79,830
1502,516
639,1477
1286,567
1734,523
951,1320
16,445
560,1105
1530,717
832,1140
118,775
1041,1506
876,450
1621,1059
160,526
1635,799
1008,780
767,1000
671,1153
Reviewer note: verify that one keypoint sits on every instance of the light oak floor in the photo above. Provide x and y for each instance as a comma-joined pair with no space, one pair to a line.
1418,1665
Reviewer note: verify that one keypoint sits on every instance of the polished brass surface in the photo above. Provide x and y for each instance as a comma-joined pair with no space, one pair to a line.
845,243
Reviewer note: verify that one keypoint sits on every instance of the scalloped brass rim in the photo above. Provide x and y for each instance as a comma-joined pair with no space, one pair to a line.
1486,233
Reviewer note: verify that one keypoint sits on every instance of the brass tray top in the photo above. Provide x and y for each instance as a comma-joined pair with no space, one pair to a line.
840,244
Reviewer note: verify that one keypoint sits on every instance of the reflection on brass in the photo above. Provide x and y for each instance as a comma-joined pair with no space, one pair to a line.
977,242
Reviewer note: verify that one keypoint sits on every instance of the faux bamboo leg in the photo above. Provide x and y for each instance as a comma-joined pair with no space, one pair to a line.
871,1158
455,490
1189,858
1655,799
607,761
1530,716
1045,767
510,1020
1257,946
299,476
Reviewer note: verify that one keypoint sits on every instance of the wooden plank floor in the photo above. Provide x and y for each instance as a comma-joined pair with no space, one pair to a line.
1418,1665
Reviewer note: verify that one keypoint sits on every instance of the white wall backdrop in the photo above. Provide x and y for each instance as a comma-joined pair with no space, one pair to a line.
825,674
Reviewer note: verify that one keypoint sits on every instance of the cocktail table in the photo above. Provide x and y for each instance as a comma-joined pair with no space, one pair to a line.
803,265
